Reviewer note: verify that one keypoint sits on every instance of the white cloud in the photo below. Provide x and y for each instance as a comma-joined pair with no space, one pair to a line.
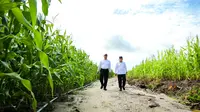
93,23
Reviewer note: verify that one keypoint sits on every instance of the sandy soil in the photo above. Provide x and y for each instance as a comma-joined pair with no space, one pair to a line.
93,99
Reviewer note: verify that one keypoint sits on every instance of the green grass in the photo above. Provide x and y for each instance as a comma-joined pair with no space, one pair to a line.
194,95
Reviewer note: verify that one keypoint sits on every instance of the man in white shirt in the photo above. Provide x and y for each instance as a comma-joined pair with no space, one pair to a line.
121,71
104,68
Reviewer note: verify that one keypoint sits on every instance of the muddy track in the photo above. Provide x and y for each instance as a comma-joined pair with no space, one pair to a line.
133,99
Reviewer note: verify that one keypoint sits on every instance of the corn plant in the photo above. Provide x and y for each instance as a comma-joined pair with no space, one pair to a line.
171,64
36,61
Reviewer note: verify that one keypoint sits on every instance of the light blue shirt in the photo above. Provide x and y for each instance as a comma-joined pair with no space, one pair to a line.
120,68
104,64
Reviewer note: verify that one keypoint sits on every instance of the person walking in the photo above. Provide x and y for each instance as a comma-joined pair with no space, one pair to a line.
104,69
121,71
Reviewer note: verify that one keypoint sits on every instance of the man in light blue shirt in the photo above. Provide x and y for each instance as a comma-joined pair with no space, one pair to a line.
121,71
104,69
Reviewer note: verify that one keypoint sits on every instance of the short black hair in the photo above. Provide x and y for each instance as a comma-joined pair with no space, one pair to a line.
120,57
105,54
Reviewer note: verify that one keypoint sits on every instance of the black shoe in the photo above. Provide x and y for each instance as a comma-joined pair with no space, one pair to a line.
105,89
123,88
101,87
120,89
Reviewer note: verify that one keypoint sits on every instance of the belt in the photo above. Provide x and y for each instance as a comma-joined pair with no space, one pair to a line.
104,68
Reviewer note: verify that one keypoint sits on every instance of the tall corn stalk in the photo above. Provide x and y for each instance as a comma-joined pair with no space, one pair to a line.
171,64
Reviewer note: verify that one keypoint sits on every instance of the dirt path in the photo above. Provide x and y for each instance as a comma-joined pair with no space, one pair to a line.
93,99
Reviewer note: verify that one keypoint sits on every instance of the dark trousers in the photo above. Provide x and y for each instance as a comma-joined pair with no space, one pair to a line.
121,80
104,77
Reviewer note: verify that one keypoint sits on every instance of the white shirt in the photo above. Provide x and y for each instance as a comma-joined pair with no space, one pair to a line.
120,68
104,64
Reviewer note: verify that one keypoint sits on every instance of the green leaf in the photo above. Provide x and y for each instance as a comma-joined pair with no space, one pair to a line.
26,84
46,46
27,15
8,6
38,39
44,59
36,64
56,74
17,27
4,1
11,55
50,82
45,7
33,11
27,42
13,75
34,104
6,65
20,17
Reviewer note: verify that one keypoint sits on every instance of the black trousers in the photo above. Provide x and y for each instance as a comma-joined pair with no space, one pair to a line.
104,77
121,80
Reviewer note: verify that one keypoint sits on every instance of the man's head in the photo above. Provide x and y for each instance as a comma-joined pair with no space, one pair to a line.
120,58
105,56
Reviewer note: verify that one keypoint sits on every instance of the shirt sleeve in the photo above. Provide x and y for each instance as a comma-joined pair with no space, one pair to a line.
109,66
116,67
99,67
125,67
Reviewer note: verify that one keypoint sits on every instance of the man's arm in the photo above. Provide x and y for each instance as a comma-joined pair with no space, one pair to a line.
109,66
125,67
116,67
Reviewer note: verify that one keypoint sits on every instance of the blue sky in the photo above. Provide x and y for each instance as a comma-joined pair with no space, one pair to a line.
135,29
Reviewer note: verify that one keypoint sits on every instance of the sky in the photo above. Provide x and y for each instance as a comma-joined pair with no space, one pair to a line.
134,29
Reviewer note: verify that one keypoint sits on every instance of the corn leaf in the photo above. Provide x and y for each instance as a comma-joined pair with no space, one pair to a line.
50,82
45,7
44,59
33,11
34,104
20,17
13,75
4,1
8,6
26,84
38,39
6,65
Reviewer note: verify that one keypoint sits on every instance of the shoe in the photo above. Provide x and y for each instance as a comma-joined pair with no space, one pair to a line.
120,89
101,87
105,89
123,88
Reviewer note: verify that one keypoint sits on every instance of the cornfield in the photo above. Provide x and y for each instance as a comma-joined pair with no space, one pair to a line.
36,61
171,64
